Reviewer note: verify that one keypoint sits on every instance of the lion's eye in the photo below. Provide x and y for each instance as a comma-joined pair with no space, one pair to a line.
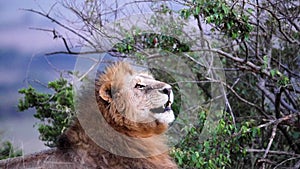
140,86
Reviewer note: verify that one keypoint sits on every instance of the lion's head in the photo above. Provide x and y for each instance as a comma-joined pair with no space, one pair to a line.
133,102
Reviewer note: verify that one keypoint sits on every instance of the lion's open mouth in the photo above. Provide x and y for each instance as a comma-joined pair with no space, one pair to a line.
167,106
162,109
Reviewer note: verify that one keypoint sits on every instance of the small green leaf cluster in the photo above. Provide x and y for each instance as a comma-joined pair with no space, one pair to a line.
53,110
161,8
225,18
150,40
220,151
8,151
280,78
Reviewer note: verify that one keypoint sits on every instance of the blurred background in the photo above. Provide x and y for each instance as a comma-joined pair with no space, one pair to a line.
23,63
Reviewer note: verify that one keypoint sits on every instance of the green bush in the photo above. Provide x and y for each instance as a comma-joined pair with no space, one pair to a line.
53,110
224,146
224,17
8,151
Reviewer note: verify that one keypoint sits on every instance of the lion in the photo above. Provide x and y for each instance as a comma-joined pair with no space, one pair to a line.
135,100
135,105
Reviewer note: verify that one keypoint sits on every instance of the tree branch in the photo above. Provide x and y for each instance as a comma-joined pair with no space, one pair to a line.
274,129
62,25
250,150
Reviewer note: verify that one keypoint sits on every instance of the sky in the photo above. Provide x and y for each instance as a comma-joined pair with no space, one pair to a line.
20,48
15,25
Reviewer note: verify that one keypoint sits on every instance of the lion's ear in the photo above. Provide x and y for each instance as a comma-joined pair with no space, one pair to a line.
105,92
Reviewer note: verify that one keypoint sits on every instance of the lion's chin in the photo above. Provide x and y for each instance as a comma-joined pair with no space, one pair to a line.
164,113
165,117
164,108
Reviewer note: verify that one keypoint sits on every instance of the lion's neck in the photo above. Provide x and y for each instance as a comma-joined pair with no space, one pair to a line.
75,139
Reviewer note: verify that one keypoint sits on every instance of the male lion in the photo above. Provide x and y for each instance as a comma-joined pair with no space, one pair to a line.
135,100
135,105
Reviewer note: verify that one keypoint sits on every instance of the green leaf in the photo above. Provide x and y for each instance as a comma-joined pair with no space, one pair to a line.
197,10
273,72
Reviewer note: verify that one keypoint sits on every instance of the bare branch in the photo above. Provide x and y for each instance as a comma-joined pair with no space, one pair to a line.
297,165
62,25
271,140
250,150
261,86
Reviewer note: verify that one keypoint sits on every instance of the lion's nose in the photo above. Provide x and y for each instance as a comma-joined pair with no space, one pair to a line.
167,91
